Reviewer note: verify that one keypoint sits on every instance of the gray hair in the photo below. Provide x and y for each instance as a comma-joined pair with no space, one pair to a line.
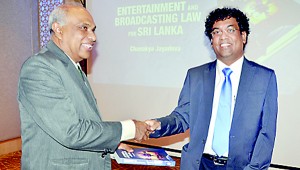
59,14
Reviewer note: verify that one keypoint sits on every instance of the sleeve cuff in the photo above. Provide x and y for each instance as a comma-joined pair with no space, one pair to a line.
128,130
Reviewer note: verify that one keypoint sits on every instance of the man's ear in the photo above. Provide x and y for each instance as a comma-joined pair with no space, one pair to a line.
244,37
57,29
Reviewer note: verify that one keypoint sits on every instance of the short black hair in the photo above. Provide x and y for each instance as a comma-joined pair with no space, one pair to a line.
221,14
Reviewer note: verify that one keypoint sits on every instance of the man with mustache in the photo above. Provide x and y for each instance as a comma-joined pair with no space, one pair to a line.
61,126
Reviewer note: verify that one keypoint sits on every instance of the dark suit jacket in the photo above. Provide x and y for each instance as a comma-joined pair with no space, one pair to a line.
61,127
253,125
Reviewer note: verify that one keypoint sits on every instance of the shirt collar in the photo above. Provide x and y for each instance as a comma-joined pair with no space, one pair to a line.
236,67
75,64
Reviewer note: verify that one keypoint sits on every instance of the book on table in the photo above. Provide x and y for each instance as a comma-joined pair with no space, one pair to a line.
144,156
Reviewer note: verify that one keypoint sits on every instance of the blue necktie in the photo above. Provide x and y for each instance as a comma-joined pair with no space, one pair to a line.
222,126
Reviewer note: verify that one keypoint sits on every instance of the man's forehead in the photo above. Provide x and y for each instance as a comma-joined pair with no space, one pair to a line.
225,22
83,18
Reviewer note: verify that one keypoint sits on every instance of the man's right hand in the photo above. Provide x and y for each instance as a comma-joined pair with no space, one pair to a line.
141,131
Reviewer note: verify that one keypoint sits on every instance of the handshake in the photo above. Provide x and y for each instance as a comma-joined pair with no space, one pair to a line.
143,129
142,132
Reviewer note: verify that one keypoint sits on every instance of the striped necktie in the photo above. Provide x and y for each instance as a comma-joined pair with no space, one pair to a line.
81,72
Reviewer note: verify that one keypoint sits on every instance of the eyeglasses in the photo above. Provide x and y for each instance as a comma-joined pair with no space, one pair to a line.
229,30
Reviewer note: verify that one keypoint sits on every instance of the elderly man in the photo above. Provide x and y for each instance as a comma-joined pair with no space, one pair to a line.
61,126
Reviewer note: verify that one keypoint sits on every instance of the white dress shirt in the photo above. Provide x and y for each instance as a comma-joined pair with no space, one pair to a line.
236,68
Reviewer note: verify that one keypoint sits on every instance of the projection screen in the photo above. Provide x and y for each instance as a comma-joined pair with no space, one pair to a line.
144,49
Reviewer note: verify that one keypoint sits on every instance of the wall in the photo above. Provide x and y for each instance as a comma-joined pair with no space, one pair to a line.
19,40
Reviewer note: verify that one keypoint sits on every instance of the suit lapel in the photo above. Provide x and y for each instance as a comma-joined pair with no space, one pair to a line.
246,79
83,83
75,75
209,79
204,108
